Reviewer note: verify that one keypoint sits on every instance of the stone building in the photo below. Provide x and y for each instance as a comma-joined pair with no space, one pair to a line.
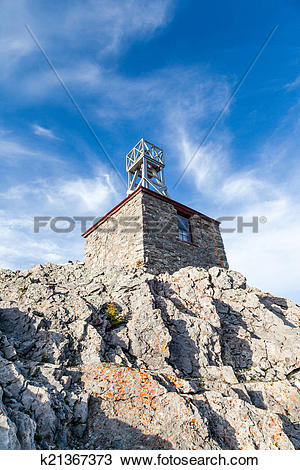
149,229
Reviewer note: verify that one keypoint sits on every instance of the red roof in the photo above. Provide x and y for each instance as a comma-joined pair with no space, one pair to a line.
180,207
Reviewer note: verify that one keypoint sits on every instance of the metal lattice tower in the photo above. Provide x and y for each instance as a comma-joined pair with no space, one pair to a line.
145,167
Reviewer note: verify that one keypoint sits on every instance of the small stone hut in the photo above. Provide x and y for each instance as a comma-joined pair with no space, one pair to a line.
149,229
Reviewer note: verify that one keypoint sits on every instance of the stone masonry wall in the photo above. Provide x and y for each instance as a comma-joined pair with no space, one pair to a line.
145,232
164,251
118,241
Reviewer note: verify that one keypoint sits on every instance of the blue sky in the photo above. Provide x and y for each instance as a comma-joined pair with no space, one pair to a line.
161,69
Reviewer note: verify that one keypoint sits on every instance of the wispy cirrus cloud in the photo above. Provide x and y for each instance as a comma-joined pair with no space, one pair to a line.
43,132
112,24
103,27
14,150
294,84
267,187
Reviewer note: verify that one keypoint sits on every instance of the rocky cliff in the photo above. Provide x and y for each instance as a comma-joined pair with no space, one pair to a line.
130,360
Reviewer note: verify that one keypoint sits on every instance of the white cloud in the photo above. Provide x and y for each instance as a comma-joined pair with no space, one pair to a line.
268,187
100,26
90,194
83,76
205,165
12,51
15,43
21,248
73,196
270,258
14,150
110,24
42,131
244,186
294,84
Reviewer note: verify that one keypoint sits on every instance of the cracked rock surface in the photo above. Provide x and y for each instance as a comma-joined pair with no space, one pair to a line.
192,360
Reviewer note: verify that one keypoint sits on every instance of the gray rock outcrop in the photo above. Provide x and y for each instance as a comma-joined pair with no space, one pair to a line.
132,360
